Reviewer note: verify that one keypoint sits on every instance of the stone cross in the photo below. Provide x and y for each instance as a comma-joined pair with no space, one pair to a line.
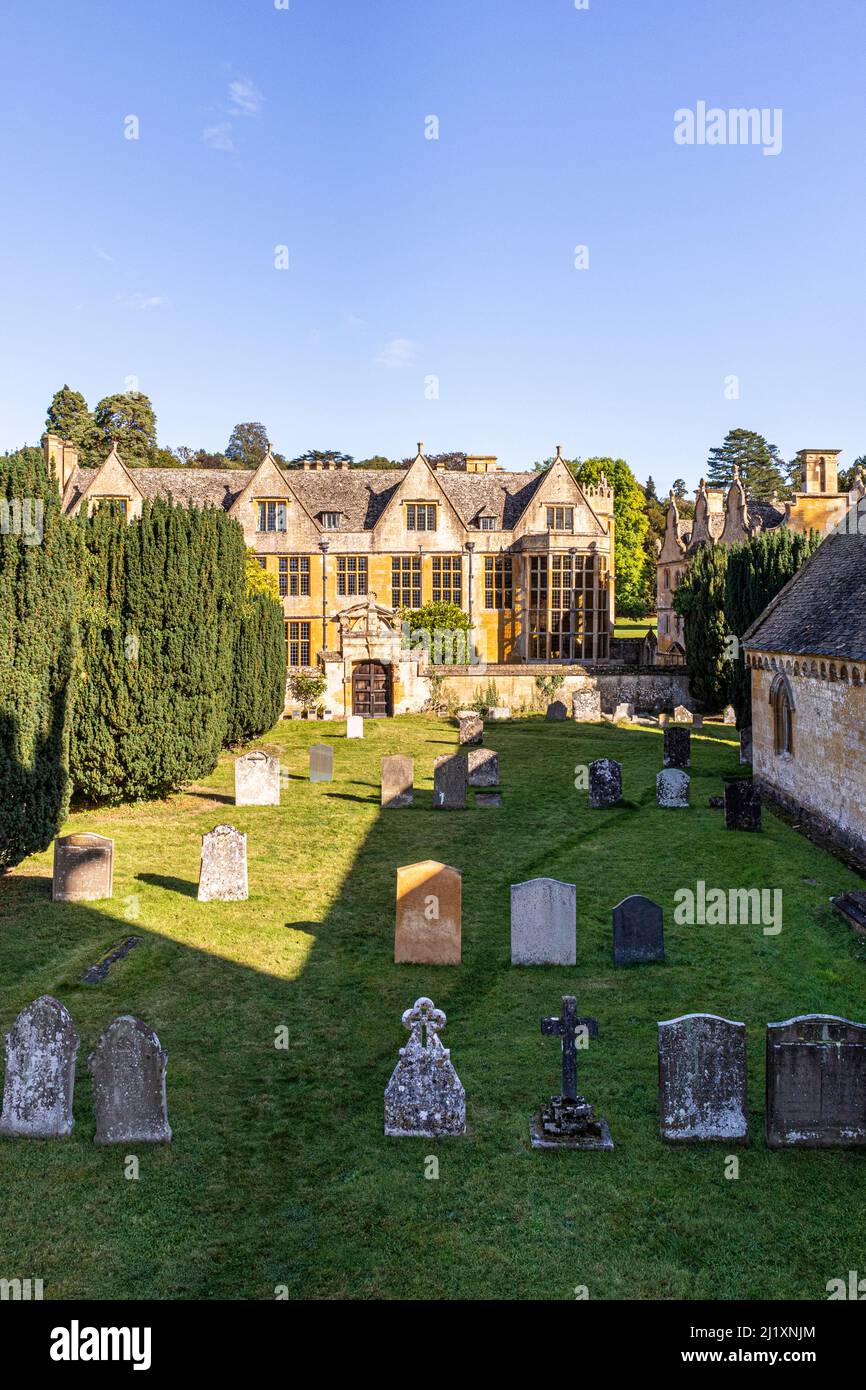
566,1028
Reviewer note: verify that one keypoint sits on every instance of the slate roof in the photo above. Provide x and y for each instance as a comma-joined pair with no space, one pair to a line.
822,610
220,486
768,515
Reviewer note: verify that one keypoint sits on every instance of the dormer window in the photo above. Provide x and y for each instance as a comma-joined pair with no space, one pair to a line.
560,518
487,523
331,521
272,516
421,516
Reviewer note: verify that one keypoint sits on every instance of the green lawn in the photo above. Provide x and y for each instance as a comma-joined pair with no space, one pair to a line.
279,1173
635,627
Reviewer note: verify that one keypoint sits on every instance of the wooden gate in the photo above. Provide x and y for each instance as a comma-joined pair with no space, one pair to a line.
371,690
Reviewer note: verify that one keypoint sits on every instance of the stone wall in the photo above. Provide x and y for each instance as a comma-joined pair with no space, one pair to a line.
647,688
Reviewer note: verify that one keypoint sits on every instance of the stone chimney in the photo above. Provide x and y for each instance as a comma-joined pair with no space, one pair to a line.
61,457
819,470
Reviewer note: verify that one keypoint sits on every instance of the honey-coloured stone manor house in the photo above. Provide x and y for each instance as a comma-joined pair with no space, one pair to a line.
529,556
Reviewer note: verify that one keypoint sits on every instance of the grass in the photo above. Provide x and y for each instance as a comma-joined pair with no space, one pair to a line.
279,1174
635,627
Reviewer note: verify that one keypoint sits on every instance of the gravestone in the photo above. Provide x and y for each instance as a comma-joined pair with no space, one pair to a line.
663,719
672,788
556,711
677,747
742,805
543,922
730,715
605,783
223,875
638,931
852,906
257,780
397,782
499,712
623,711
424,1097
471,730
586,706
697,721
83,868
428,922
41,1048
702,1079
488,799
816,1082
745,745
321,762
567,1121
682,715
355,726
483,767
449,782
127,1068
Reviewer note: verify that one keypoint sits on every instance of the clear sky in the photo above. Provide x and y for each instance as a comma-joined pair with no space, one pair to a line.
154,259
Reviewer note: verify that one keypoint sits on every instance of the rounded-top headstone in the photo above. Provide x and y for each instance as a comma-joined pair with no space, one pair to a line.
41,1048
257,779
128,1071
672,788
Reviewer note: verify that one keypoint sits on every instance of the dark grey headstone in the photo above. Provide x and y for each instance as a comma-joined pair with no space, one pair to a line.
702,1079
638,931
127,1068
816,1082
677,747
605,783
745,745
483,766
742,805
449,782
41,1048
556,711
424,1096
397,782
471,730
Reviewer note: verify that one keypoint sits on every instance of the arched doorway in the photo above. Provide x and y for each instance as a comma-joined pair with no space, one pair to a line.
371,690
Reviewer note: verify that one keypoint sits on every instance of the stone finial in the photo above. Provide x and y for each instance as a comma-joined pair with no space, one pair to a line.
558,453
420,446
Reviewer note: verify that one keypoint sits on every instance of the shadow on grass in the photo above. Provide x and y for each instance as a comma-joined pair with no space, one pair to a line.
171,885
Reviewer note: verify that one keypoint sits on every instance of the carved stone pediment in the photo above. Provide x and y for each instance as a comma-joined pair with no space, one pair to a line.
370,631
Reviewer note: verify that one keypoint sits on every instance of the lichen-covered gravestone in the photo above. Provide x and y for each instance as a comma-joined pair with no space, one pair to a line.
543,922
321,762
568,1121
127,1068
730,715
449,782
424,1097
586,706
742,805
556,711
223,875
682,715
816,1082
471,729
83,868
41,1048
397,782
672,788
605,783
638,931
745,745
677,747
427,930
257,779
483,767
355,726
702,1079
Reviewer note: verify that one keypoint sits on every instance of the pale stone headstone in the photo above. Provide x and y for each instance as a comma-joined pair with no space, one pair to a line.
702,1079
672,788
605,783
682,715
730,715
543,922
257,779
127,1068
499,712
816,1082
471,729
83,868
586,706
449,782
355,726
223,875
638,931
428,921
41,1048
397,782
483,767
623,711
321,762
556,711
677,747
663,719
424,1097
745,745
742,805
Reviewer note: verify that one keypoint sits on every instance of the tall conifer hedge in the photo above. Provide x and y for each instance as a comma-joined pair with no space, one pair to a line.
259,678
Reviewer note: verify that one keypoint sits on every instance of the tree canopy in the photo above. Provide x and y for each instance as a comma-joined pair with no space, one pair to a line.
759,464
247,445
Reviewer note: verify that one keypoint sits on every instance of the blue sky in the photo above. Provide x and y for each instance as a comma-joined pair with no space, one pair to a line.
409,258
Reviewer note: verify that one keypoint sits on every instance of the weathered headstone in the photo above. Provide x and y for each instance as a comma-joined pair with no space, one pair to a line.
852,906
745,745
483,767
638,931
567,1121
697,721
83,868
397,781
41,1048
682,715
449,782
672,788
586,706
623,711
663,719
677,747
428,922
742,805
543,922
223,875
471,730
321,762
424,1097
702,1079
816,1082
127,1068
499,712
355,726
730,715
605,783
556,711
257,780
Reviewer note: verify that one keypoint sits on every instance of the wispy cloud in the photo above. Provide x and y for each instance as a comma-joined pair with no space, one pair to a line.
103,255
397,352
219,137
144,302
245,99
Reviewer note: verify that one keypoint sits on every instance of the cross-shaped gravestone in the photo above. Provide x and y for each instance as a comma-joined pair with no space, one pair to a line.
566,1027
567,1120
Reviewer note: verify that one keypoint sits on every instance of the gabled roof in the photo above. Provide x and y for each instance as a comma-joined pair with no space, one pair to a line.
822,610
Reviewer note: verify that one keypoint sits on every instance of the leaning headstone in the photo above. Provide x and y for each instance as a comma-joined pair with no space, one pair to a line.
83,868
742,805
471,729
127,1068
428,923
682,715
605,783
677,747
702,1079
223,875
41,1047
586,706
556,711
730,715
638,931
745,745
672,788
816,1082
852,906
623,711
257,780
567,1120
449,782
424,1097
483,767
355,726
321,762
543,922
397,779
